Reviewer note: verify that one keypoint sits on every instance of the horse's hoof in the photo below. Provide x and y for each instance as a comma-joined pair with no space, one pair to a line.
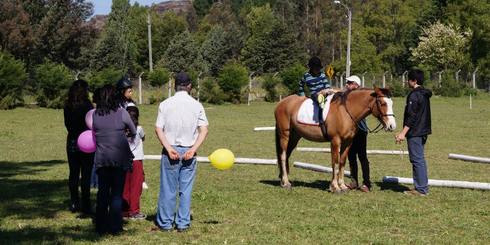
286,186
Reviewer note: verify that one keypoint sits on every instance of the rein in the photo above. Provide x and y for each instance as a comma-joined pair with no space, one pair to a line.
380,124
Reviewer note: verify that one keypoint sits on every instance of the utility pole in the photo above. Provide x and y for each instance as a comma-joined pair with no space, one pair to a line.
140,89
250,88
150,58
403,78
473,78
349,15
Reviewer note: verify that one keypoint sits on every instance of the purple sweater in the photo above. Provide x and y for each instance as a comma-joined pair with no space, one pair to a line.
112,144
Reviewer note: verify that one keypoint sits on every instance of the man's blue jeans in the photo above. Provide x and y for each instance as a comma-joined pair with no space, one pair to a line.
176,176
419,165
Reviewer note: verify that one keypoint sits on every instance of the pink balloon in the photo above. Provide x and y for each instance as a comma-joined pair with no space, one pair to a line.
89,119
86,141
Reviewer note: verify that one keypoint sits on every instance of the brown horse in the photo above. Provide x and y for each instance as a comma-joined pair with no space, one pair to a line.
346,110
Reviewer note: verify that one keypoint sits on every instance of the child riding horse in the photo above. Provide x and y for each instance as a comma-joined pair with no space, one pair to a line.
345,112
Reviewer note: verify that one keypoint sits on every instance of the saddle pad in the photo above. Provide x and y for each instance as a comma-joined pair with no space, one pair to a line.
308,111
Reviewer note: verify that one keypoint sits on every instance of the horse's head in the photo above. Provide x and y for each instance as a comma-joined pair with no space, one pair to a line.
382,108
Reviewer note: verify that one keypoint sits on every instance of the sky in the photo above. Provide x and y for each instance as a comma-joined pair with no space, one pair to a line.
104,6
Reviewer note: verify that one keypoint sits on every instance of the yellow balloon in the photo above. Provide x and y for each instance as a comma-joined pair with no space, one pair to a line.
222,159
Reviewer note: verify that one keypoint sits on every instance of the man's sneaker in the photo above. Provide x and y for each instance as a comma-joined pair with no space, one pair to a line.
321,101
413,192
145,186
138,216
365,188
182,229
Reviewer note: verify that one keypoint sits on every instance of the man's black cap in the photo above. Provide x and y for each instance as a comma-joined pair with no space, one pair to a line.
182,79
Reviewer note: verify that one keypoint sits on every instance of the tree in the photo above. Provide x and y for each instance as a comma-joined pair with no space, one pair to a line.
215,49
116,47
270,45
291,76
108,75
51,82
182,55
12,77
164,29
16,34
442,47
232,78
36,30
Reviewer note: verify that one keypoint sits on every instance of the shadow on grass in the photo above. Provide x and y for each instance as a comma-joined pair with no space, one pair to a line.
31,198
33,235
10,169
395,187
28,199
317,184
28,193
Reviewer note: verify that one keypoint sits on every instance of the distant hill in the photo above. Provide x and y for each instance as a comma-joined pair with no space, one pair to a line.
98,22
177,6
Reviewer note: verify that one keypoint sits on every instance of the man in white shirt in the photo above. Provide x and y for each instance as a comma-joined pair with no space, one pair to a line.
181,127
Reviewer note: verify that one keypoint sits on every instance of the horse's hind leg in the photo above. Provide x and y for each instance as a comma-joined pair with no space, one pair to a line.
292,143
282,141
335,147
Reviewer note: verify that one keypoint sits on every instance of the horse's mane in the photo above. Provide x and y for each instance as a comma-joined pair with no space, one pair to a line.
342,96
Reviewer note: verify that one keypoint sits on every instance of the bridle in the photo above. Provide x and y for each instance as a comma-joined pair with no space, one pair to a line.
371,109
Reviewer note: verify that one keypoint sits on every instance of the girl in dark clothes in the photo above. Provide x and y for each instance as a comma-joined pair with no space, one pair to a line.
76,106
113,158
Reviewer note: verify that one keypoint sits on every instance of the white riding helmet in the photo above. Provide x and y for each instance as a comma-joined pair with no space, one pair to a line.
354,79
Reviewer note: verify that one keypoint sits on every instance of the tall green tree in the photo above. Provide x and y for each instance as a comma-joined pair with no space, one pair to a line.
270,45
36,30
215,48
164,29
117,47
183,55
12,77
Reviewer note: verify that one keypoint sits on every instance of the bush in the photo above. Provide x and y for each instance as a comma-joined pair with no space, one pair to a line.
52,81
211,92
105,76
231,79
291,76
449,86
158,77
398,90
12,77
270,85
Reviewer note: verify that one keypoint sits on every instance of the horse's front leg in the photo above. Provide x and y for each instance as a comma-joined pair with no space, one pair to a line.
334,146
344,153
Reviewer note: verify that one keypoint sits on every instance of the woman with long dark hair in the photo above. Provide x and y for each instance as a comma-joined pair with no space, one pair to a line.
113,157
76,107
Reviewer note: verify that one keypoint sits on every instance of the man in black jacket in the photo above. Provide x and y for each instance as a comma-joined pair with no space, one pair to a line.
416,128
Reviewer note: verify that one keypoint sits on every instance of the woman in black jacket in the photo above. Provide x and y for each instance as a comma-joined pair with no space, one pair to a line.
76,107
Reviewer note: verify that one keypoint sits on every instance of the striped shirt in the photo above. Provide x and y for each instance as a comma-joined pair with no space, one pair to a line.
315,84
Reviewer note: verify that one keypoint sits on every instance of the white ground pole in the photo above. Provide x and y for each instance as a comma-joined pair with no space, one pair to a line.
468,158
317,168
242,160
264,128
441,183
387,152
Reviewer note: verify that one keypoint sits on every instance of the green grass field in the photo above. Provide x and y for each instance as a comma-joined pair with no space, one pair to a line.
245,204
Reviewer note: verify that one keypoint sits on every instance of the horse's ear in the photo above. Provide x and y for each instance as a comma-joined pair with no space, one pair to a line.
378,91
